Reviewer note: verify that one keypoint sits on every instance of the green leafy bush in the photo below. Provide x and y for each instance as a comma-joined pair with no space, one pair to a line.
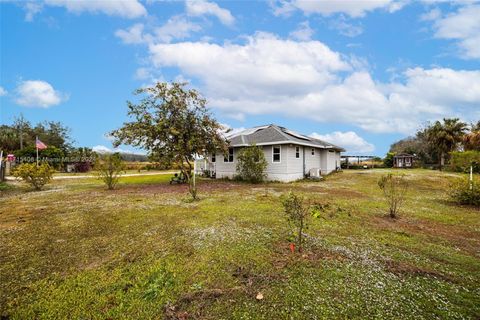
251,164
36,176
110,167
465,191
53,155
461,161
388,160
394,189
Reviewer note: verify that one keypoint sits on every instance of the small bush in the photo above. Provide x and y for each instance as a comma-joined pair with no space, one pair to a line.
110,167
394,190
465,192
84,166
36,176
388,160
297,213
251,164
461,161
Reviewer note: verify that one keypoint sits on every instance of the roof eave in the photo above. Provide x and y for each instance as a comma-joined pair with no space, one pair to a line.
290,142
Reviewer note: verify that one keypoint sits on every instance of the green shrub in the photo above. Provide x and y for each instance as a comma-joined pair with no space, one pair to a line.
251,164
394,189
465,191
53,155
36,176
461,161
297,214
388,160
110,167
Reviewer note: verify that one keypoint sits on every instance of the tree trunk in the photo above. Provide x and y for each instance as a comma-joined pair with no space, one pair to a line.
191,186
442,160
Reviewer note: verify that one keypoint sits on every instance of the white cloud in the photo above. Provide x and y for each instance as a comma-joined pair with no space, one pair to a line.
464,27
264,65
3,92
37,93
122,8
142,74
349,140
176,27
352,8
269,75
229,130
104,149
345,28
32,8
202,7
431,15
303,32
133,35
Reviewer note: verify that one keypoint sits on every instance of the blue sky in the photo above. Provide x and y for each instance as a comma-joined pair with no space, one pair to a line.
361,74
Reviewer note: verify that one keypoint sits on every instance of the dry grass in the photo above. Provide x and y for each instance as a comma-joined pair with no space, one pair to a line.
76,250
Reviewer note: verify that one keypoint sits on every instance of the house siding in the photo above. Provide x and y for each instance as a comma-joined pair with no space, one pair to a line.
289,168
312,161
338,159
226,169
277,170
295,165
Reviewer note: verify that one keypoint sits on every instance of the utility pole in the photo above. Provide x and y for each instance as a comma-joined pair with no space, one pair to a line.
21,137
20,123
471,176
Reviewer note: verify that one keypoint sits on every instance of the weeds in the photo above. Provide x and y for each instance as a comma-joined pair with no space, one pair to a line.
394,190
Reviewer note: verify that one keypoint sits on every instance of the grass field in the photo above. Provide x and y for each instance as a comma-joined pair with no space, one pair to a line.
145,251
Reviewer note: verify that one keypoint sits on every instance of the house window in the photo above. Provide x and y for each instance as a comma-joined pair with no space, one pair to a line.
297,152
313,151
276,154
214,157
229,157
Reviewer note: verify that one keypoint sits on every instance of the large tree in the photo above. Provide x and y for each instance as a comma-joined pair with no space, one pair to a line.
173,123
445,137
416,145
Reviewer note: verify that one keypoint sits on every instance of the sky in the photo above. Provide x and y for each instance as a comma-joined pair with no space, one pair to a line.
359,74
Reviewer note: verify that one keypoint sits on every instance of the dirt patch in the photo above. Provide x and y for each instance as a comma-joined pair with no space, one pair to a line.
337,192
464,239
203,187
403,268
191,305
284,257
200,299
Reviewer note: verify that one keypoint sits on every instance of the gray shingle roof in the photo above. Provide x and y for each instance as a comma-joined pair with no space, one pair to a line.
273,134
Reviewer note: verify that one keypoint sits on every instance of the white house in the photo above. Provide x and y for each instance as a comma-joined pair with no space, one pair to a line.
290,155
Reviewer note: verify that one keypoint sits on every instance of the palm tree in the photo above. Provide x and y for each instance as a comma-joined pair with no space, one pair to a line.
471,141
445,137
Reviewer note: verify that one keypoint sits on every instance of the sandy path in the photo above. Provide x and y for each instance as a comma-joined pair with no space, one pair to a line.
10,178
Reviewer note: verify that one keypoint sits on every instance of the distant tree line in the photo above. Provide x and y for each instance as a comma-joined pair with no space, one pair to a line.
22,134
436,143
19,139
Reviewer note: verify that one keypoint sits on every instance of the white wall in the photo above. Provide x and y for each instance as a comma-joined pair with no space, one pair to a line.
295,165
226,169
289,168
